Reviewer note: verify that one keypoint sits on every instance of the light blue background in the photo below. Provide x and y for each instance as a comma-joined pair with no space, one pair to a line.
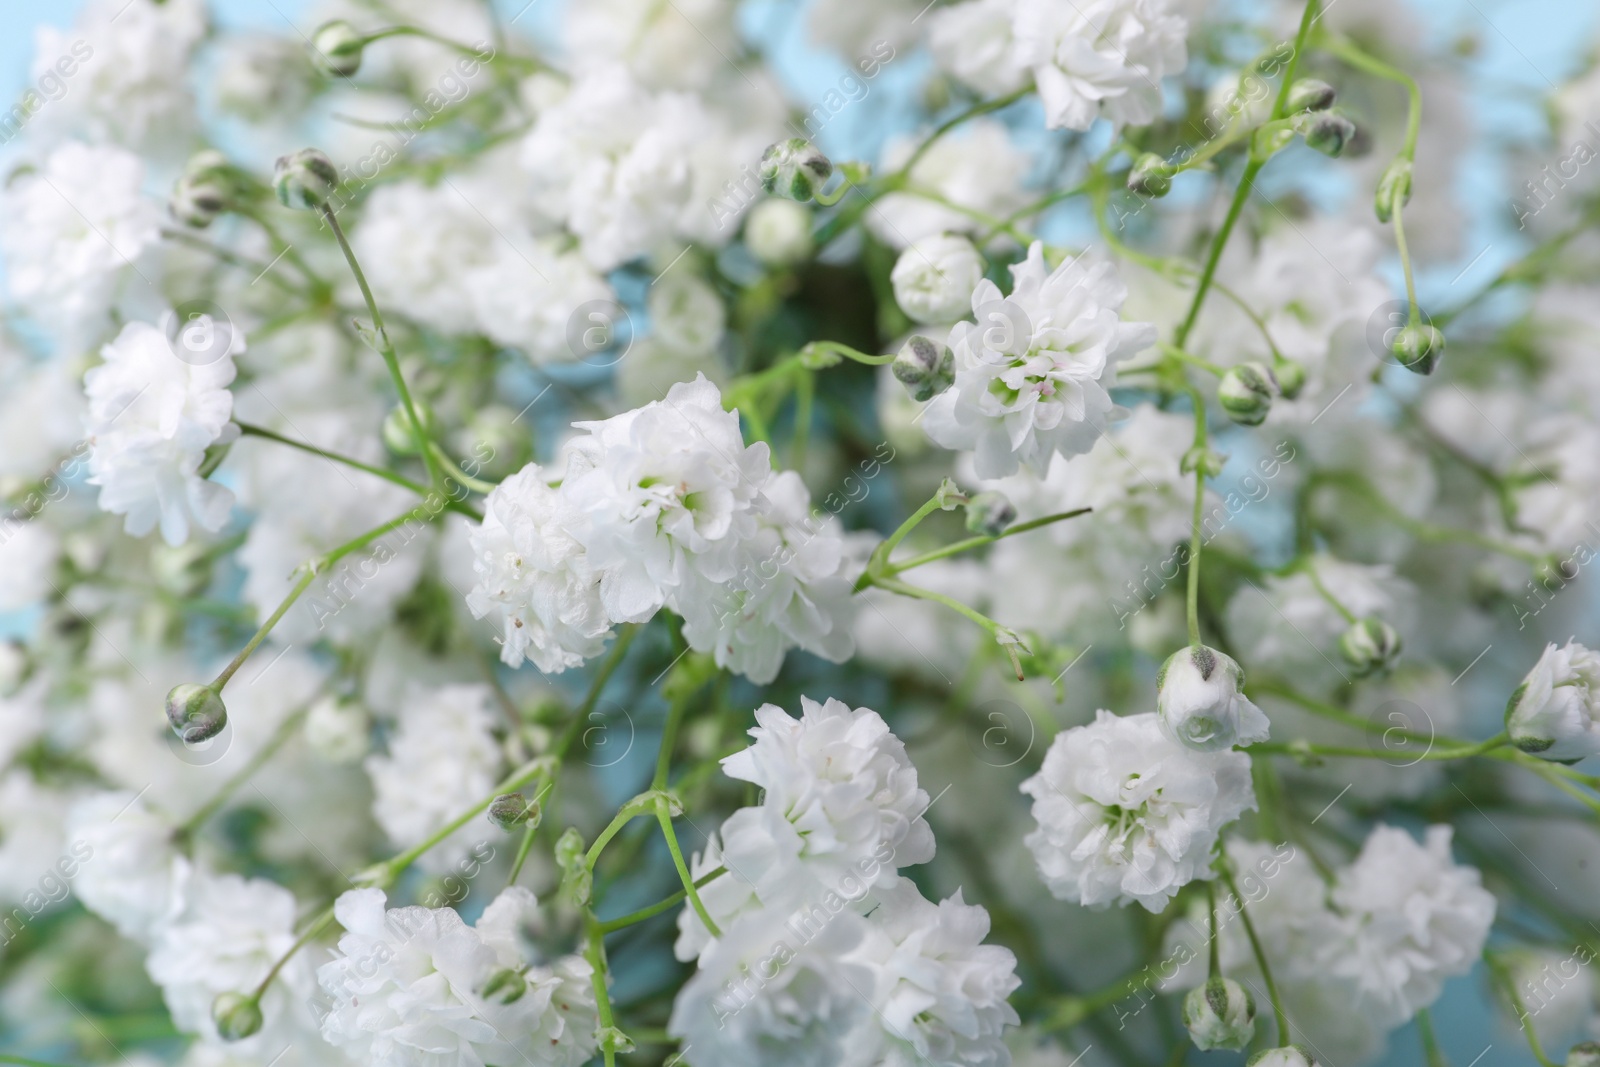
1523,49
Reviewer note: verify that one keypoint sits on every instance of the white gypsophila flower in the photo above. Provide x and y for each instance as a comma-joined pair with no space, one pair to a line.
686,314
264,77
442,760
129,84
1557,481
407,987
726,898
661,491
153,412
73,230
1558,991
977,166
41,418
1289,626
681,45
1415,917
1032,374
228,935
1555,712
526,296
1126,815
536,576
778,232
855,30
769,993
137,876
32,820
610,159
1199,705
933,279
790,590
975,43
840,796
940,991
651,369
338,729
28,554
1103,59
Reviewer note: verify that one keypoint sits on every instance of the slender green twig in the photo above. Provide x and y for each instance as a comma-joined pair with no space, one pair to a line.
1261,957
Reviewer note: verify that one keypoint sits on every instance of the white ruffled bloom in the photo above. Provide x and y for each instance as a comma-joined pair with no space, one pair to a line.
1103,58
152,415
1199,704
136,876
664,493
976,44
227,937
28,554
442,760
681,45
408,989
1556,710
72,231
1126,814
611,159
790,591
1416,918
1032,374
941,992
32,817
840,793
536,576
933,279
131,81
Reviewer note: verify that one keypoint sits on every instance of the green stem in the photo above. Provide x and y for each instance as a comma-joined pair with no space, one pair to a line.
251,430
386,350
1306,748
477,485
1430,1043
1508,985
1211,910
664,817
1261,957
669,738
595,952
261,270
877,563
1003,636
388,871
279,738
526,843
844,350
659,906
892,569
971,113
1197,520
312,932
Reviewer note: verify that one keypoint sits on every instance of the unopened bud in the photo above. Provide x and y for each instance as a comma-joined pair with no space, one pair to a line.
1394,188
611,1039
1245,393
989,513
237,1016
1290,376
513,809
1220,1014
925,367
397,435
1310,94
505,987
195,712
1202,458
336,48
794,169
1150,176
1418,347
1586,1054
304,179
1287,1056
778,233
1370,645
202,192
1326,131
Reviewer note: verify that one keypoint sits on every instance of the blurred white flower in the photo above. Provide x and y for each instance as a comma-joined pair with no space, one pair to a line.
1555,712
1101,59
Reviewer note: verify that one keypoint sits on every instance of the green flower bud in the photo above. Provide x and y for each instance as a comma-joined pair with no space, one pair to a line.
989,513
1287,1056
195,712
237,1016
1418,348
397,435
1326,131
1290,376
305,179
1245,393
513,809
1150,176
613,1040
197,202
1586,1054
1199,458
925,367
505,987
1370,645
1220,1014
794,169
1395,182
336,48
1310,94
